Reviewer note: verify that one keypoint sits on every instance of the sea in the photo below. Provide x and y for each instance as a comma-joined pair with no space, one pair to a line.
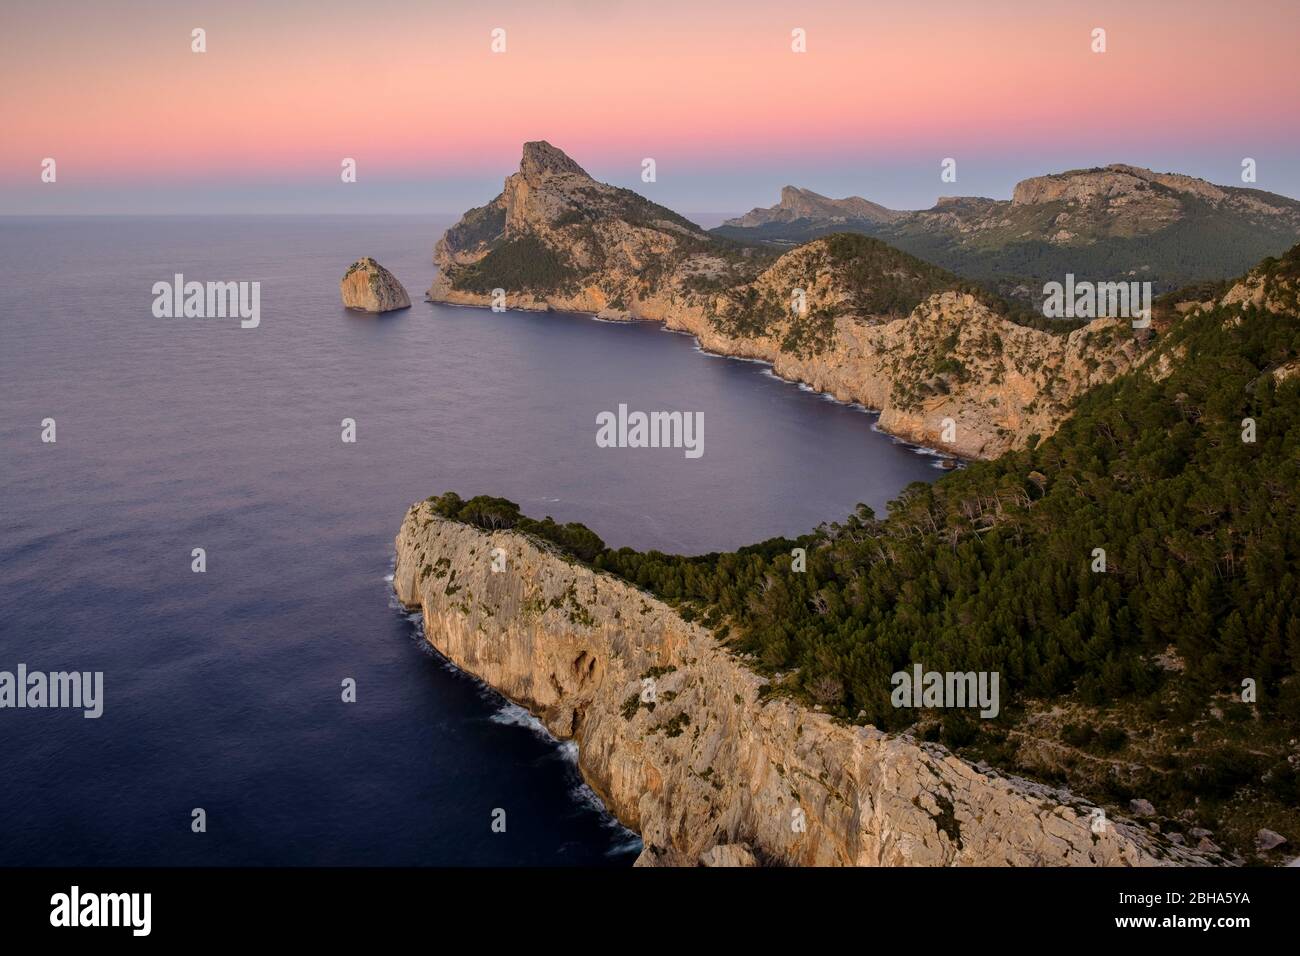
225,738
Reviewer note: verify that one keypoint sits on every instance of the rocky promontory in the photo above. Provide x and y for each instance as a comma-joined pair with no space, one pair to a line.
681,743
369,287
845,314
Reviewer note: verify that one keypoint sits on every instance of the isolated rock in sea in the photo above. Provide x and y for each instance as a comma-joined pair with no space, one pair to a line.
712,765
369,287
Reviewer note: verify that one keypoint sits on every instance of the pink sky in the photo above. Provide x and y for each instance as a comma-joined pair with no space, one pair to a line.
412,91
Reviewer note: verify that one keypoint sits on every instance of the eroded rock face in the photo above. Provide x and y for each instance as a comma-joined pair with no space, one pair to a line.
698,764
728,855
369,287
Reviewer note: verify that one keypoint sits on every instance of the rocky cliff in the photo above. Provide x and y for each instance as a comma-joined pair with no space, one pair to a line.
677,738
369,287
845,315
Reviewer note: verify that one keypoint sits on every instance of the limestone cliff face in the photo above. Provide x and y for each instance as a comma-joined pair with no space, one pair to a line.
952,374
711,773
369,287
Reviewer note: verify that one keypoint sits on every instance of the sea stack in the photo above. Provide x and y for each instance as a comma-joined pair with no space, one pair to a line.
369,287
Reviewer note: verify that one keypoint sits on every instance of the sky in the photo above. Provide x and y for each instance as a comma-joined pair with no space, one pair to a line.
711,90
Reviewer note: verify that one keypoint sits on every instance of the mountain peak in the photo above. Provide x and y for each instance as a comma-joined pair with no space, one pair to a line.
541,228
797,203
1108,182
792,194
540,158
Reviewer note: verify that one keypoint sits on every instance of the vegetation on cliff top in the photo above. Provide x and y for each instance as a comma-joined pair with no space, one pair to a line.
522,262
480,225
499,514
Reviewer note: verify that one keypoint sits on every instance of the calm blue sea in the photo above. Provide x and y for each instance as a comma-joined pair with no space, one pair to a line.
222,689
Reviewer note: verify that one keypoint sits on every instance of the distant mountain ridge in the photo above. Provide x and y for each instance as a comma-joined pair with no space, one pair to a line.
797,204
1106,223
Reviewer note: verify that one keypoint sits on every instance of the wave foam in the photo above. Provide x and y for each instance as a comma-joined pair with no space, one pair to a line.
510,714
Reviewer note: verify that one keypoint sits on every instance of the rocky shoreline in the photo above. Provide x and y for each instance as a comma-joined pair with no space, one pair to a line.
997,413
947,453
679,741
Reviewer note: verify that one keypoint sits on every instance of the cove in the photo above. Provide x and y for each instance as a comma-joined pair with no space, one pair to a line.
225,685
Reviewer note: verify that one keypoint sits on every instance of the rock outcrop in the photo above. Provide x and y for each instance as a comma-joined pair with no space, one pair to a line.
1110,182
680,743
1278,293
943,368
369,287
